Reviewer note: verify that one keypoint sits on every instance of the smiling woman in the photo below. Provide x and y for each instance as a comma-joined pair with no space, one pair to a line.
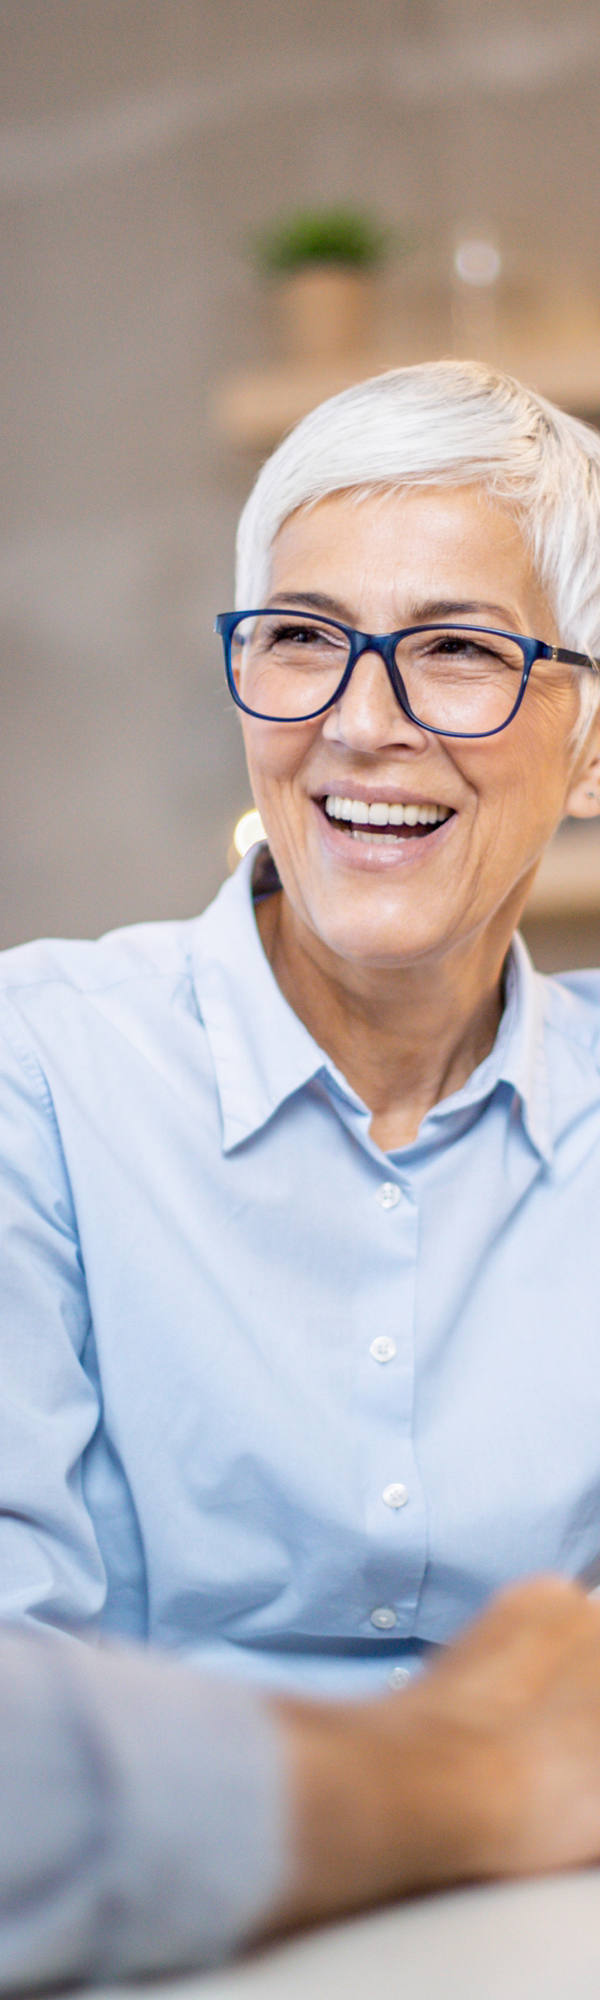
451,726
291,1354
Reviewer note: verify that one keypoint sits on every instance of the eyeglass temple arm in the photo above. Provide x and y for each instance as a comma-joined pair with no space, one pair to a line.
569,659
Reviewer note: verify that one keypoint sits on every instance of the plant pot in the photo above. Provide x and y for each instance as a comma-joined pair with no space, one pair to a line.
325,312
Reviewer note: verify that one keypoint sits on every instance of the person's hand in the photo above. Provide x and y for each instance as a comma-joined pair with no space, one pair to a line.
513,1710
488,1766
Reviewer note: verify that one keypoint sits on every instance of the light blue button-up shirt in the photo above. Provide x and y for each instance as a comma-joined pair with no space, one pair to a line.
270,1397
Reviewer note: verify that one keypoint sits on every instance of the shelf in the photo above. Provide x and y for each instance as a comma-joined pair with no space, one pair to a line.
568,882
253,408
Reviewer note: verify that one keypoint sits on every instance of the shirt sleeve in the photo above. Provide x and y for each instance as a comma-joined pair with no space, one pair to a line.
51,1570
143,1814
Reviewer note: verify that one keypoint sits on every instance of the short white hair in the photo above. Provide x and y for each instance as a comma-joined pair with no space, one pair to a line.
451,423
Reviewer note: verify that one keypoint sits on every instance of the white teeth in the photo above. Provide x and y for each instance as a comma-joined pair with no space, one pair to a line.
379,814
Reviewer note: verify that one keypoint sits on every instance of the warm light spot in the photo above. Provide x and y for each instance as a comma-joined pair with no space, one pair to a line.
477,261
249,829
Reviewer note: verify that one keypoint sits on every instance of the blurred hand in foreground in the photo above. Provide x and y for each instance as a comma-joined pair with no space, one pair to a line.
488,1766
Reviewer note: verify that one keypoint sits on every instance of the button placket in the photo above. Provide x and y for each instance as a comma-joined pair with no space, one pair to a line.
394,1548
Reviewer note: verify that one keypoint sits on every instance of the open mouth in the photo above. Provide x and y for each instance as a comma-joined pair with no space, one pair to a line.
382,822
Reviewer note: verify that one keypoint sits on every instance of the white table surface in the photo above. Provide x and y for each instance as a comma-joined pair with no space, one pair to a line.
537,1940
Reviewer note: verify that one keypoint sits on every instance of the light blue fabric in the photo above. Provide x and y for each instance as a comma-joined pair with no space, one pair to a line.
195,1437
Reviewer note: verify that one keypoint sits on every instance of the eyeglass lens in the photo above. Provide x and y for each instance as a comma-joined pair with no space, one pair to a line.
455,678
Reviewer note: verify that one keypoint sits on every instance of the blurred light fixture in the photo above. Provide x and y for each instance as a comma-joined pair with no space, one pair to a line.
477,261
248,830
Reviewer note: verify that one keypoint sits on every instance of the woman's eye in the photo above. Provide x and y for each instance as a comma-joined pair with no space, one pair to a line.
455,648
279,635
485,655
456,645
301,635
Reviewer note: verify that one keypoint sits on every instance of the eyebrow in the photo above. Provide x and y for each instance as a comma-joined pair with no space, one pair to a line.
317,599
418,614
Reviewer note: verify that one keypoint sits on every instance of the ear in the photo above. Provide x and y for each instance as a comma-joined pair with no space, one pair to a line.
583,797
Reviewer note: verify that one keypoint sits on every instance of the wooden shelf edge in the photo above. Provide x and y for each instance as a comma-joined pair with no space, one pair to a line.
254,407
568,881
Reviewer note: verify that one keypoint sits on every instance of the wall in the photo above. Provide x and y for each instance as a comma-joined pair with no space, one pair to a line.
140,143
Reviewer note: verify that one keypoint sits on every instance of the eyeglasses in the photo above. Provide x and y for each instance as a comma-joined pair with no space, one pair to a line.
455,680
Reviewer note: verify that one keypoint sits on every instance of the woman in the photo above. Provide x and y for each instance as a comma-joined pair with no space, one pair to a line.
300,1265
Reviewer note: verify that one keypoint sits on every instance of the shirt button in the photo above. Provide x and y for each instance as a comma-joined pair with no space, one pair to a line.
388,1195
398,1677
383,1348
383,1618
395,1495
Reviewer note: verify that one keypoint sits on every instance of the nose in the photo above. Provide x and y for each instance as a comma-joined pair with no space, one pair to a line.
367,715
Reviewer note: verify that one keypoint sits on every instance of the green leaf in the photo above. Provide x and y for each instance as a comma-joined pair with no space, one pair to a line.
325,236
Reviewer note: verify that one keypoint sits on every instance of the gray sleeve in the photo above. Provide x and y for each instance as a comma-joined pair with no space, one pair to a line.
143,1813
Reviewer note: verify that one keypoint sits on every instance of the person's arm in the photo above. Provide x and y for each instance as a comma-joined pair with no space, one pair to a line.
152,1820
51,1570
144,1814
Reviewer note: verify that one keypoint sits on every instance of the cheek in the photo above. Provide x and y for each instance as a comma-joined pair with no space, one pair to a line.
275,756
523,771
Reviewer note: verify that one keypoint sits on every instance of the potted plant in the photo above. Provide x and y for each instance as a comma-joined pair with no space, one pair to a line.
322,264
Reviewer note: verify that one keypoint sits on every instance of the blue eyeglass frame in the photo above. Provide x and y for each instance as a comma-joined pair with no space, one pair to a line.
384,643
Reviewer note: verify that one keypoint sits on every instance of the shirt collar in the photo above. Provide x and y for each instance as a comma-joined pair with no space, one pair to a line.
262,1053
518,1057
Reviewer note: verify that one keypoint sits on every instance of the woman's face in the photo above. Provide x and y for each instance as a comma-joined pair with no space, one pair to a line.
385,562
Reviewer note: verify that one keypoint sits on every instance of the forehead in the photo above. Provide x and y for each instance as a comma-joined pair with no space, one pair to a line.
400,546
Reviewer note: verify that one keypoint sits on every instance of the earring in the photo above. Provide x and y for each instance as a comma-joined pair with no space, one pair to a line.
592,795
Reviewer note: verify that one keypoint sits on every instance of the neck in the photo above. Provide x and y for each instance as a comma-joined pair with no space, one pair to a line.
405,1037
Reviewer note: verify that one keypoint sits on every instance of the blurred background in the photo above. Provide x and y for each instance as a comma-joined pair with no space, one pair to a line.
153,355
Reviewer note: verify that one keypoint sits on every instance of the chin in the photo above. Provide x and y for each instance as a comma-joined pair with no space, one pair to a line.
388,947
